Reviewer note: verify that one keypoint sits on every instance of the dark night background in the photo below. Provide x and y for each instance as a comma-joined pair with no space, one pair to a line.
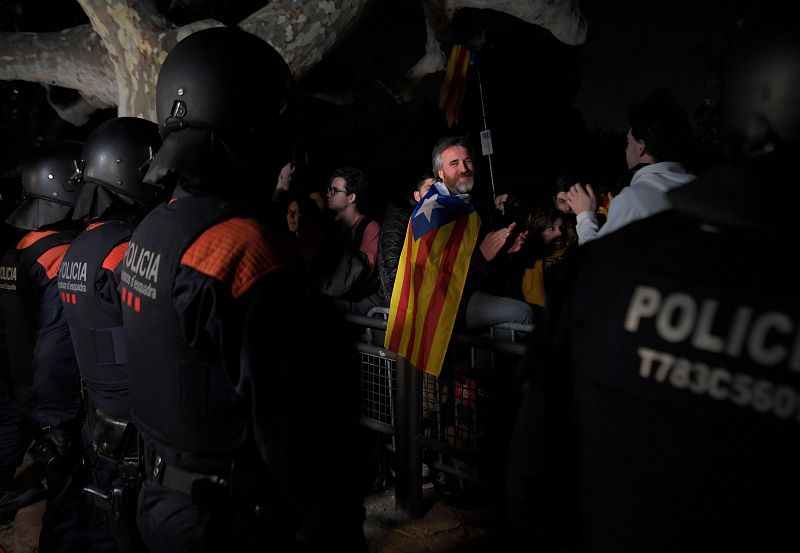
552,108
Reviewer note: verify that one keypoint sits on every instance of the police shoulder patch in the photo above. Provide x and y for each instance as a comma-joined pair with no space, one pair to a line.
115,256
51,260
234,251
32,237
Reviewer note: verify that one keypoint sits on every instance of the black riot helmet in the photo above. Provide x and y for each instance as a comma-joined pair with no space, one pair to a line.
115,158
760,107
219,97
49,189
759,133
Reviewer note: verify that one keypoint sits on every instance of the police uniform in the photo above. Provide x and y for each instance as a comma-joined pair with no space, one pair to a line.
57,407
205,341
16,375
668,416
210,314
88,290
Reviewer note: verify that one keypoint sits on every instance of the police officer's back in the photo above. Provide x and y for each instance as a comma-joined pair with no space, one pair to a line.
207,308
113,199
15,376
666,419
49,194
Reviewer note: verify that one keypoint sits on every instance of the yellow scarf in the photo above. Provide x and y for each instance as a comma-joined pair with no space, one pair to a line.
533,280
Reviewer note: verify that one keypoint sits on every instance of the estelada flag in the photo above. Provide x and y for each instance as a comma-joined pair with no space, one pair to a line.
433,268
454,85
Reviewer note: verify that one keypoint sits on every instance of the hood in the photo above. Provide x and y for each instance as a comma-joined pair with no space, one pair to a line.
669,175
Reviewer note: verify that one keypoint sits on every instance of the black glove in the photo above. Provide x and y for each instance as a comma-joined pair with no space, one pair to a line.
53,449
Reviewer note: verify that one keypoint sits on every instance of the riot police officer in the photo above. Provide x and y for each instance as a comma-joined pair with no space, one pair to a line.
667,418
115,157
15,384
208,301
30,269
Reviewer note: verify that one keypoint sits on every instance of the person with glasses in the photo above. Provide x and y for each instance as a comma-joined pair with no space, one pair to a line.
348,198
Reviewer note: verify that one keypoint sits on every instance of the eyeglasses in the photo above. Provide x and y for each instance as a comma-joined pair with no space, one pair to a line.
332,190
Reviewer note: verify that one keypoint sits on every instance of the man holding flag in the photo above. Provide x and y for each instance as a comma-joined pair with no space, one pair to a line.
438,254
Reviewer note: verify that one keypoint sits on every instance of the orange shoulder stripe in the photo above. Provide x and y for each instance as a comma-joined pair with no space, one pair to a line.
95,225
115,256
51,260
234,252
32,237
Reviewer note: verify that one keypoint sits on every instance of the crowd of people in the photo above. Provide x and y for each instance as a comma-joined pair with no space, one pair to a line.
156,321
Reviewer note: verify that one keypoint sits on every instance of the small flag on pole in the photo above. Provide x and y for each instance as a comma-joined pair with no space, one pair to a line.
433,268
454,85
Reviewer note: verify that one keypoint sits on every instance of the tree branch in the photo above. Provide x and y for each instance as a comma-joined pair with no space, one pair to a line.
107,17
133,33
304,31
116,59
71,106
73,58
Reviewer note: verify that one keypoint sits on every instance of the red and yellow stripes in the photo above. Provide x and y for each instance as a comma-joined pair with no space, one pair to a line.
454,85
427,292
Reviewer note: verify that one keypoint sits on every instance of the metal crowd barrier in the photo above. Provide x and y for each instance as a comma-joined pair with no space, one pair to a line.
451,422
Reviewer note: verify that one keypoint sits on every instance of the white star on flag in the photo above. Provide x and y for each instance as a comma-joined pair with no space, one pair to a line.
428,206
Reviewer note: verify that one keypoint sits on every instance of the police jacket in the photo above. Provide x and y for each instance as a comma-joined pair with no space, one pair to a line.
202,298
17,325
30,292
88,290
667,416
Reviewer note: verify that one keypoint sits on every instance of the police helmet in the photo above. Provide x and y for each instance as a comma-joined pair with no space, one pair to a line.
115,158
759,133
219,97
49,186
760,109
221,79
